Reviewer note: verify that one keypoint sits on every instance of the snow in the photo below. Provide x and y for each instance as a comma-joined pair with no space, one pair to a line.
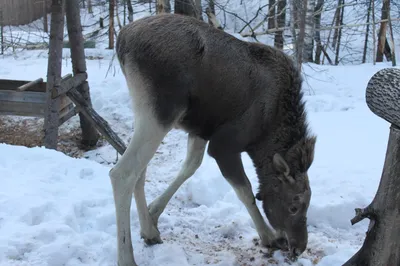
57,210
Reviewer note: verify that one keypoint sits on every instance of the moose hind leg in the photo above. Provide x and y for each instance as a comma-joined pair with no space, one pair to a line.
127,174
194,156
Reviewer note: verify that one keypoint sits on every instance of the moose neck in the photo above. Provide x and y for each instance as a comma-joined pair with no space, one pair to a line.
288,129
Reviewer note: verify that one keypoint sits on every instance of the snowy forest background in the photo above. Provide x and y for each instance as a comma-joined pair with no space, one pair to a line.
334,32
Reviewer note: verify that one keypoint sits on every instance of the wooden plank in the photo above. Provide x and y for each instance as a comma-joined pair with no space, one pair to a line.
66,109
97,121
22,96
29,84
64,102
66,115
7,84
68,83
22,109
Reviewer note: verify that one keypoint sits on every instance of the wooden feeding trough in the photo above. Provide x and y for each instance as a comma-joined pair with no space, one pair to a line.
60,98
29,98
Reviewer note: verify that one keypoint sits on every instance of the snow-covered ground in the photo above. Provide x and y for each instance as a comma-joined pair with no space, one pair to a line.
57,210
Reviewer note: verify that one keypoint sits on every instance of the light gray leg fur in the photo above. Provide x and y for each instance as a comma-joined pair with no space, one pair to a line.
245,195
194,157
128,176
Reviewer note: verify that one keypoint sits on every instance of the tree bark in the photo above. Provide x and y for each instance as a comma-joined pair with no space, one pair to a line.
364,58
163,6
298,11
111,25
130,10
281,19
393,53
186,7
54,74
45,20
309,32
90,7
383,95
271,14
382,243
337,23
89,133
339,37
382,31
317,21
212,19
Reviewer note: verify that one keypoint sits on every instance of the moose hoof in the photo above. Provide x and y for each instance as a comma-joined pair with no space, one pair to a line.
152,237
152,241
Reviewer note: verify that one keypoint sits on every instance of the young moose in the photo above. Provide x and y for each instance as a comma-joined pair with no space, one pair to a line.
238,97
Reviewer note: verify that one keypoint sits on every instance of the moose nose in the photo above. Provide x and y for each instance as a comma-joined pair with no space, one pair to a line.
296,252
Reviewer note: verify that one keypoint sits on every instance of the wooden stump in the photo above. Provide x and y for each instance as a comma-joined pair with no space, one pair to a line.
382,243
54,74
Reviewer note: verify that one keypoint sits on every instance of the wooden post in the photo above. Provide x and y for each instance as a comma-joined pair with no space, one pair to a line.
89,133
382,243
54,74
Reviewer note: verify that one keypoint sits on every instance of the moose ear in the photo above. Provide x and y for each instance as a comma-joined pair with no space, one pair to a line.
282,167
280,164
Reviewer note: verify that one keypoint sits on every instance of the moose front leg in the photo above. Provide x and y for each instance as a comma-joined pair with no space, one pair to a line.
231,167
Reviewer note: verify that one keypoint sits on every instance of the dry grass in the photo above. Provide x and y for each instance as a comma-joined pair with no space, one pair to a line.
27,131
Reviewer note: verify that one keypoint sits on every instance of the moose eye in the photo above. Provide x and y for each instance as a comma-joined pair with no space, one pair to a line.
293,210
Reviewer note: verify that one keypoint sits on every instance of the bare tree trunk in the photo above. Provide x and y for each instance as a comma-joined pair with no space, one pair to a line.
281,19
337,24
373,32
382,31
45,20
130,10
117,14
212,19
309,32
211,4
186,7
199,10
364,58
2,31
111,25
271,14
83,4
74,26
298,11
393,56
54,74
339,34
90,7
317,20
382,243
163,6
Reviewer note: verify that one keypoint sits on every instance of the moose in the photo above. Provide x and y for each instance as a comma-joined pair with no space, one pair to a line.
233,95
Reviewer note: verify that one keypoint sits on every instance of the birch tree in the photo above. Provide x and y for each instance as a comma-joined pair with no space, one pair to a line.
383,46
163,6
317,21
281,19
309,31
